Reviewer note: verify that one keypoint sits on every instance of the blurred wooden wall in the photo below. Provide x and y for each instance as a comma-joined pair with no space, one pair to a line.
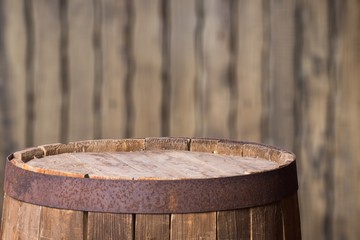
283,72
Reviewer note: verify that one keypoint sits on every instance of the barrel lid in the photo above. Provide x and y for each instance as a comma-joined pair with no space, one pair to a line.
152,175
148,165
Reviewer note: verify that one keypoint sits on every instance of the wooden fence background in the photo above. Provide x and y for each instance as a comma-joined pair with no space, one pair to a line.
282,72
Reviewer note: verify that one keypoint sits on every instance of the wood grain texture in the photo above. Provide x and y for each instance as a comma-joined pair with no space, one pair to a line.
203,145
216,54
165,143
46,71
279,75
193,226
233,224
290,218
250,35
2,166
151,226
13,114
114,67
81,69
148,165
315,105
61,224
182,67
14,40
266,222
3,106
347,129
109,226
148,68
20,220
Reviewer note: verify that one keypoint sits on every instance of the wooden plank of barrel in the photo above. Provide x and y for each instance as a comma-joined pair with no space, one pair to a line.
153,188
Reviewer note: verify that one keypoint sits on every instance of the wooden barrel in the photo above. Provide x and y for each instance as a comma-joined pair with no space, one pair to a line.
153,188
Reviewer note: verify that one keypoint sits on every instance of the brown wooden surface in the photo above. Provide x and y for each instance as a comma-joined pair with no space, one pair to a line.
290,214
81,78
233,224
182,68
346,202
148,226
279,91
46,22
15,50
61,224
248,68
20,220
193,226
114,17
266,222
146,92
149,165
109,226
315,139
216,59
292,66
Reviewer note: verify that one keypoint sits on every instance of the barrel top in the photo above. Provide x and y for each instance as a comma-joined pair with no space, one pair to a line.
149,165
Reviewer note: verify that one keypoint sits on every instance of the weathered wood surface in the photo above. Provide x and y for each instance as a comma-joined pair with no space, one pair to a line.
27,221
280,72
115,55
149,165
109,226
147,76
234,224
346,71
248,33
182,69
266,223
216,61
316,121
193,226
152,226
81,69
290,213
26,218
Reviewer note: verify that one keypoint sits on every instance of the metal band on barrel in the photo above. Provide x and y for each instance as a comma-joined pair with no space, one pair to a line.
150,196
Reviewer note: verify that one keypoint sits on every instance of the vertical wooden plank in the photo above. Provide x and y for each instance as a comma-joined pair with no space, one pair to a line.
46,71
2,166
81,69
314,140
149,226
13,96
280,75
114,65
182,68
249,69
14,37
291,217
193,226
3,101
20,220
148,68
233,224
109,226
9,217
347,128
216,55
266,223
61,224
